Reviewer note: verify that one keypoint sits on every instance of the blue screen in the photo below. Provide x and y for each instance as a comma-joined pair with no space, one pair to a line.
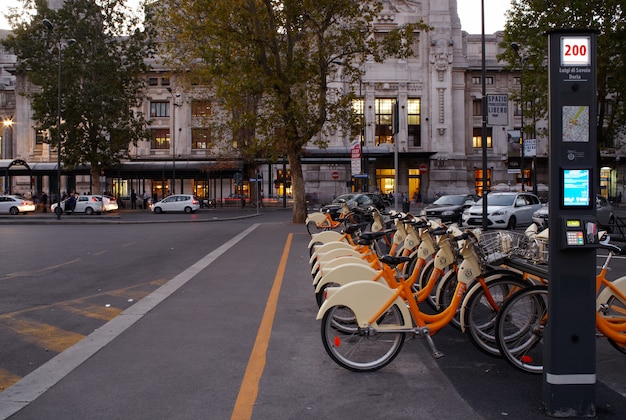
576,188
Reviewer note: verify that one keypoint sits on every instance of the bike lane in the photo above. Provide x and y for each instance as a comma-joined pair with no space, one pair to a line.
188,356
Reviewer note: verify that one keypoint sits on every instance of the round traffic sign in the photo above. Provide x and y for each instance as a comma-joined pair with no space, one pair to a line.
335,175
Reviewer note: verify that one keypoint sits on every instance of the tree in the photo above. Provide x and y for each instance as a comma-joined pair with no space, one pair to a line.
100,77
527,22
269,61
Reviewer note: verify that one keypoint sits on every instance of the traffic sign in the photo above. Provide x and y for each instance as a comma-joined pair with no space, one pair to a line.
335,175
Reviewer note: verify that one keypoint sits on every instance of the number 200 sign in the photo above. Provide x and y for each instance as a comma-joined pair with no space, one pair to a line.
575,51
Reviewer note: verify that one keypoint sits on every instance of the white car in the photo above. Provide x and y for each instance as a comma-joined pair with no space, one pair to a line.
88,204
177,202
110,203
505,210
14,204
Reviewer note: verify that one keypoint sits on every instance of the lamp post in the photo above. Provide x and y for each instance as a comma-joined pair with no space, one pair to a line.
516,48
49,26
173,136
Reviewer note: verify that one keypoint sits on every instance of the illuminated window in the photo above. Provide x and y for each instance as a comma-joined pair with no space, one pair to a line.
358,128
477,137
160,138
200,138
414,121
384,121
200,108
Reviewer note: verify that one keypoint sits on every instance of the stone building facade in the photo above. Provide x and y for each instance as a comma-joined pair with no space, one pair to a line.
434,148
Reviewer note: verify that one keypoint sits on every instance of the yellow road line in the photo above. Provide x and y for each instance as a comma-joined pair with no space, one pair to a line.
250,385
42,335
7,379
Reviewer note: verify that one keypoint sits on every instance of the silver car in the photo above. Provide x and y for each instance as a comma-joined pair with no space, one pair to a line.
604,214
505,210
179,202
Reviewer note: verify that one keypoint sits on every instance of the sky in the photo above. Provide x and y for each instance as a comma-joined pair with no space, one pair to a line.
469,12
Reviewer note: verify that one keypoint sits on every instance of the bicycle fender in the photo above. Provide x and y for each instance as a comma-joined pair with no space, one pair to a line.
365,299
317,217
347,273
326,248
606,293
325,237
322,267
475,287
332,254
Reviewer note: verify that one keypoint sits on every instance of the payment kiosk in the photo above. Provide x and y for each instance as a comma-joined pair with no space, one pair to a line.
569,339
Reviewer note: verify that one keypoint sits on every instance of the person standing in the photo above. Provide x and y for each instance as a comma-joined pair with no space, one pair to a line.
145,199
133,200
44,201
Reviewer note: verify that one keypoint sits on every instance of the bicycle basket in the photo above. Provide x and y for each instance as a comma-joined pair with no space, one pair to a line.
496,246
538,250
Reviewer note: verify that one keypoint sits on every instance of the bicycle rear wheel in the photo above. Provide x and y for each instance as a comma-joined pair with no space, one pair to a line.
519,328
358,349
482,308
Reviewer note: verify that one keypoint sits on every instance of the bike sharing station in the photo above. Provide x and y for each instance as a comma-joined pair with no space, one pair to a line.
570,336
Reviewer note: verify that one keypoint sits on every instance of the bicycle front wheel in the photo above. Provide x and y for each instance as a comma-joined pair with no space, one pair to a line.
482,308
358,349
519,328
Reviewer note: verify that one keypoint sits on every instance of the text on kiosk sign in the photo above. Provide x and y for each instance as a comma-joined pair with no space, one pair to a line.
575,51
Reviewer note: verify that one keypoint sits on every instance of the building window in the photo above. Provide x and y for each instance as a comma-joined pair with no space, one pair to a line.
517,80
414,121
477,107
165,81
358,128
160,138
415,46
153,81
477,137
384,121
200,138
200,108
476,80
159,109
517,109
40,136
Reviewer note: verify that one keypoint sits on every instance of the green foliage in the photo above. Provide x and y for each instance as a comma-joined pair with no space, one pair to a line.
527,23
100,77
269,62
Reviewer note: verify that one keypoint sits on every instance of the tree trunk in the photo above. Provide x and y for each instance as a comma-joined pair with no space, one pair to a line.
95,180
297,185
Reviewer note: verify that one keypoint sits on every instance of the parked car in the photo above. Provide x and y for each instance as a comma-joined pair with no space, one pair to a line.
604,214
88,204
177,202
361,200
504,210
449,208
110,203
14,204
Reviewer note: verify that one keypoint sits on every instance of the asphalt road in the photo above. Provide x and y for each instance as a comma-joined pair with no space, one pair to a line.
69,280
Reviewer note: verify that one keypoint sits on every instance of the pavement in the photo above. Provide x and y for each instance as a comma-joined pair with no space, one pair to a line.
64,387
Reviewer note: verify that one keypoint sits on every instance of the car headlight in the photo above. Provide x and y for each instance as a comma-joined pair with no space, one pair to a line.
423,213
536,215
499,212
447,213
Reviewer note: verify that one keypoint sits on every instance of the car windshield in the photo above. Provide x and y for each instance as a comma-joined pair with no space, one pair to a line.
450,200
498,200
343,198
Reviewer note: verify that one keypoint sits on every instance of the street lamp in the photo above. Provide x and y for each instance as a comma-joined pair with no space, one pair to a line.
49,26
516,48
173,137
